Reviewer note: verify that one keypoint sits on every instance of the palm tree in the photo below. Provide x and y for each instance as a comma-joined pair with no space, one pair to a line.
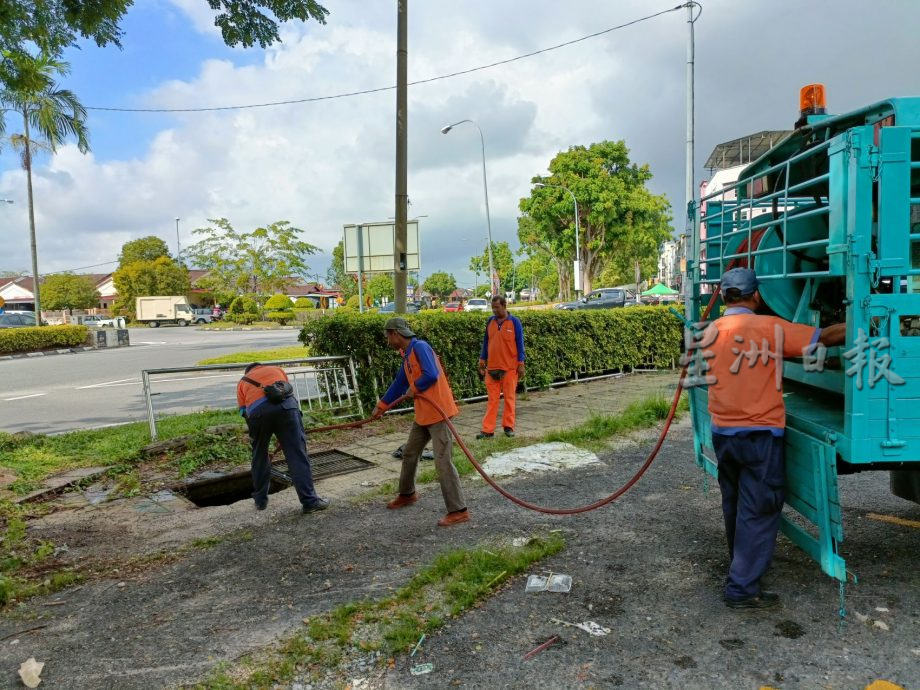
52,115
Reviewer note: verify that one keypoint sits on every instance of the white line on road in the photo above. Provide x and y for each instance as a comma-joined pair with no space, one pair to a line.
23,397
119,382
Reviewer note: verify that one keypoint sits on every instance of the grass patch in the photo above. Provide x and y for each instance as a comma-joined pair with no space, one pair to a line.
278,353
35,457
454,582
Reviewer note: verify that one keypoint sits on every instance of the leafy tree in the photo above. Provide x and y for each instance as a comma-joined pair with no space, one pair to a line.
502,260
440,284
69,291
142,249
381,285
50,115
261,262
51,26
162,276
621,221
538,271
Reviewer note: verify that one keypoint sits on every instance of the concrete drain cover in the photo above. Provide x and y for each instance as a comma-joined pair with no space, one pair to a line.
327,463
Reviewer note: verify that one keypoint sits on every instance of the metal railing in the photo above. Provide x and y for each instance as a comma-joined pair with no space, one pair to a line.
320,383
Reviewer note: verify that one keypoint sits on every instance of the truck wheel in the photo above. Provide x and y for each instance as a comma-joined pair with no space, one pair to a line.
182,322
153,324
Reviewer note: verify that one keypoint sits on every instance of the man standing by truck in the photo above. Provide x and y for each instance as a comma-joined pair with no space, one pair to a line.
744,356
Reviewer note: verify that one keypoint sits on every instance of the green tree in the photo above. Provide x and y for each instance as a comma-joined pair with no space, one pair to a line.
142,249
621,220
50,116
502,260
162,276
440,284
280,308
381,285
336,275
264,261
69,291
51,26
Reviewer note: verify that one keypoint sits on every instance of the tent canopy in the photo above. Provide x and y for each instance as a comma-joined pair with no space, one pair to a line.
659,289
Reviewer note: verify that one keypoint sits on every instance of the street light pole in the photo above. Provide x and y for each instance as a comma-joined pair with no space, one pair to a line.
178,246
578,283
485,189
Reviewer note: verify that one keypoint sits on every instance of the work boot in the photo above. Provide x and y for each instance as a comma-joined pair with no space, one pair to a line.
318,504
402,501
261,506
764,600
509,432
454,518
482,434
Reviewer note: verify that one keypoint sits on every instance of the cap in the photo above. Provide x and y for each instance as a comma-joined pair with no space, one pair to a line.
399,325
742,279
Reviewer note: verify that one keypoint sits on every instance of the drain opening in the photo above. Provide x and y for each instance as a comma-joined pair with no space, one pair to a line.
237,486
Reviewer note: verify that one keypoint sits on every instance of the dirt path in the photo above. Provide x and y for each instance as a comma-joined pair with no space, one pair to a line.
648,567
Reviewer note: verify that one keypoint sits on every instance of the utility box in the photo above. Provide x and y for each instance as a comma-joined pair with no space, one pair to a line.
164,309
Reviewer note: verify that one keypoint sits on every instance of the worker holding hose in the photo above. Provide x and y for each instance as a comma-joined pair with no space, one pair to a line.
744,353
421,372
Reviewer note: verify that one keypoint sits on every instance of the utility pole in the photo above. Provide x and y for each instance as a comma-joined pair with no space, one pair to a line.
690,253
178,246
402,195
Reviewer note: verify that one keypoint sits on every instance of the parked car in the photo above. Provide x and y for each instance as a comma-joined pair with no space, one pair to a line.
202,316
604,298
17,319
103,322
411,308
453,306
478,304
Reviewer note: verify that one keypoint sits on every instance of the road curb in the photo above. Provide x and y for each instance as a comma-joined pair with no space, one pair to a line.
45,353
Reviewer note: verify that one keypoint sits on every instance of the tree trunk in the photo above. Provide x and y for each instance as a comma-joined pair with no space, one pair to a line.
27,164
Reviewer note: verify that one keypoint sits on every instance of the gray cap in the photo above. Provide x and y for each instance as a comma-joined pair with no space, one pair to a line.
742,279
399,325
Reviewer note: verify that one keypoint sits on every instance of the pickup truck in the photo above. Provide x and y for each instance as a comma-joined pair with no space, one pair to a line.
605,298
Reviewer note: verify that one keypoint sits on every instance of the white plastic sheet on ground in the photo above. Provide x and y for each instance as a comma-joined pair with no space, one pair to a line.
542,457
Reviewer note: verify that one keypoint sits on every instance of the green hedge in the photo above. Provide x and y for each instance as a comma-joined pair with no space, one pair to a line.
559,344
14,340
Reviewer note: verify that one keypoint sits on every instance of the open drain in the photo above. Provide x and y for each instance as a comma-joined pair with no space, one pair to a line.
237,486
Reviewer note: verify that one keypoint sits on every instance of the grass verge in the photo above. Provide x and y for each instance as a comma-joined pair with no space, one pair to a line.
35,457
453,583
278,353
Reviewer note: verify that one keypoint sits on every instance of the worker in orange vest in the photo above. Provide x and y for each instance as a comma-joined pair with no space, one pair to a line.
501,365
421,373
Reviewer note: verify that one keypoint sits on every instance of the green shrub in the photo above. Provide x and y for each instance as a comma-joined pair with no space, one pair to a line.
242,310
304,303
281,317
279,302
40,338
559,344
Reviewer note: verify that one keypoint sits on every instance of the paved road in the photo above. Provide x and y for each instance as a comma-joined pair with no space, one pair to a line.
103,387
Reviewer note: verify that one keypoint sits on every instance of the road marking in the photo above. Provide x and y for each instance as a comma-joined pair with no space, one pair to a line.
23,397
119,382
197,378
149,342
904,522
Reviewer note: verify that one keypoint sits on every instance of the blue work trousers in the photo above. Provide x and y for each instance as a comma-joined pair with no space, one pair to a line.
752,476
285,422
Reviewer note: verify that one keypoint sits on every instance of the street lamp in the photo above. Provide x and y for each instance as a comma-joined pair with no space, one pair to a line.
178,247
485,188
578,285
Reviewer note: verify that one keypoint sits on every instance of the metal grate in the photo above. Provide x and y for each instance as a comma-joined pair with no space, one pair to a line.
327,463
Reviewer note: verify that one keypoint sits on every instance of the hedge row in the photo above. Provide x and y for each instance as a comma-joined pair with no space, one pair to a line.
14,340
559,344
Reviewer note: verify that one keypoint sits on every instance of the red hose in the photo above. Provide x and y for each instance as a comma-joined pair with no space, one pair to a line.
532,506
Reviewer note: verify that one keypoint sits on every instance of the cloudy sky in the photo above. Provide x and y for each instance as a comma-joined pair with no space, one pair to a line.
325,164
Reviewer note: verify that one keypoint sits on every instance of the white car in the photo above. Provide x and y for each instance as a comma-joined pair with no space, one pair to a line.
100,322
478,304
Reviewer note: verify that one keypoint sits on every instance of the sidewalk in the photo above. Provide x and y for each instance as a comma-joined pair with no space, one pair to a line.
538,413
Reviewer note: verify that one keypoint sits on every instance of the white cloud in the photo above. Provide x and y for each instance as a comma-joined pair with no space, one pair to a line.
321,165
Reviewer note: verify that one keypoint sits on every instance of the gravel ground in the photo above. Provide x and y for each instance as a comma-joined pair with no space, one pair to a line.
649,567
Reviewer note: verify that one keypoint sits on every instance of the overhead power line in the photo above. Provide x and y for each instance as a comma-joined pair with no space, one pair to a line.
388,88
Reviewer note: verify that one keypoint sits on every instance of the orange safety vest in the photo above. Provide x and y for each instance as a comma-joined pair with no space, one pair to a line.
440,392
